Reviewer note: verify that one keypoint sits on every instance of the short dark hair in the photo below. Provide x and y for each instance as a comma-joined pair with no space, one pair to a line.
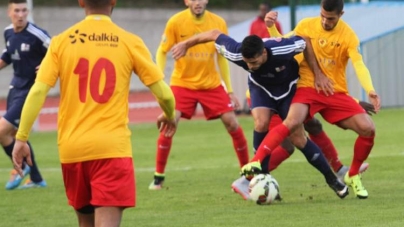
96,4
16,1
252,46
333,5
267,4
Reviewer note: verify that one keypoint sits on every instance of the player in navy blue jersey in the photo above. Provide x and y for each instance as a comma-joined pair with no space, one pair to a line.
273,74
26,46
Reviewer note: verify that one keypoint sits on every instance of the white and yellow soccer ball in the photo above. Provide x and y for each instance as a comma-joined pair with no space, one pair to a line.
263,189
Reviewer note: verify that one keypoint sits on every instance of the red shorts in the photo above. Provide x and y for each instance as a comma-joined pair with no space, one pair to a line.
333,108
104,182
275,119
214,102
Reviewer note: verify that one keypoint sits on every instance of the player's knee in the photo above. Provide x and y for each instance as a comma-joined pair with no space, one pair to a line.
291,123
261,125
298,140
313,126
232,125
288,146
366,128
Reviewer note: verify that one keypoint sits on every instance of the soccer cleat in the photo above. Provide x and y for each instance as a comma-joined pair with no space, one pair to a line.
356,184
338,187
30,184
241,187
157,183
344,169
15,178
251,169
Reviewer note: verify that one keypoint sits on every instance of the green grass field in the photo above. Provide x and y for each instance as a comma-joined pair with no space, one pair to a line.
202,165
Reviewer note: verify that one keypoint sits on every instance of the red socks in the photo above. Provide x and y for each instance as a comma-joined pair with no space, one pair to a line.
328,149
362,148
273,139
277,157
240,146
163,150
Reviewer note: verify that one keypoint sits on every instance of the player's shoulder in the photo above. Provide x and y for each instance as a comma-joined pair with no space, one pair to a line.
214,17
38,32
8,27
179,17
308,21
344,25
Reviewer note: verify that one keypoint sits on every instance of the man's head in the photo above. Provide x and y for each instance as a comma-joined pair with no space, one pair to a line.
331,12
253,52
263,9
98,5
18,13
197,7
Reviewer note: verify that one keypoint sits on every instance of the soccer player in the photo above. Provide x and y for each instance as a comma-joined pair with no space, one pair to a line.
195,79
273,73
26,46
334,42
258,26
94,60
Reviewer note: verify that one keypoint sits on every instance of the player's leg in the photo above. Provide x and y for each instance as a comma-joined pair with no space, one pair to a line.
363,125
15,103
113,189
216,103
319,137
348,114
185,105
108,216
85,216
316,158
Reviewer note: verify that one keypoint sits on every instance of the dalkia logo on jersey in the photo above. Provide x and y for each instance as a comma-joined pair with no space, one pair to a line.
94,37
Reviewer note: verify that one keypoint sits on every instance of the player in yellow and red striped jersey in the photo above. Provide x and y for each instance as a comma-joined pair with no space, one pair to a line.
94,60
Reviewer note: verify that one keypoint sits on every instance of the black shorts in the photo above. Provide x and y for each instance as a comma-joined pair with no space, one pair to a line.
15,101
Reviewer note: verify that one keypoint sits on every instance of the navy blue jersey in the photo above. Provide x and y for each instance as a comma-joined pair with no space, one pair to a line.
279,73
25,50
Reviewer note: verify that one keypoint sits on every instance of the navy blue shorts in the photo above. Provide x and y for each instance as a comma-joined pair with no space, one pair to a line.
260,97
15,101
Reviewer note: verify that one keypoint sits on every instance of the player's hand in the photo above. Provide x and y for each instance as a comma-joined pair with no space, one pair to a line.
321,82
368,107
37,68
168,126
179,50
270,18
375,100
234,101
21,151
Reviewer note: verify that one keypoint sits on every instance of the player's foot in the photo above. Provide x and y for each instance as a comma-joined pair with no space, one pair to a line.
15,178
30,184
157,183
338,187
344,169
251,169
356,184
241,186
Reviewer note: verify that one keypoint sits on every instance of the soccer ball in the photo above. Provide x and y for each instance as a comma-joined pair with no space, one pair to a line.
263,189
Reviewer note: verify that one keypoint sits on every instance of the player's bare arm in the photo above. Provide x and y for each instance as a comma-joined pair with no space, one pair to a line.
180,49
320,81
2,64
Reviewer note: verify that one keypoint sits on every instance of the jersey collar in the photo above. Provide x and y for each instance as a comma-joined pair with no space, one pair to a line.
98,17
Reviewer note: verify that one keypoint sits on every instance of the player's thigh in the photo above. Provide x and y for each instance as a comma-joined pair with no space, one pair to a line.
108,216
77,186
341,107
298,113
112,182
185,101
262,117
216,102
360,123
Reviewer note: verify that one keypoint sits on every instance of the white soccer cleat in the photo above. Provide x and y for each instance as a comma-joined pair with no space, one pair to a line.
241,186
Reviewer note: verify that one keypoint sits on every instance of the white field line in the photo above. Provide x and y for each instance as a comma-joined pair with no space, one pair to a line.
189,168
